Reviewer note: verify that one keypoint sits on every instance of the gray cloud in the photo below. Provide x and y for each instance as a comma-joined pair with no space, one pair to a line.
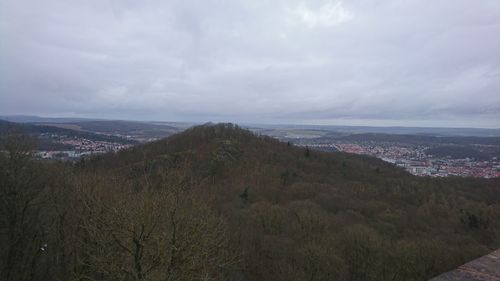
330,62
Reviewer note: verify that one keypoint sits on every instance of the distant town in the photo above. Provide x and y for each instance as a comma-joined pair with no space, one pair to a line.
415,159
77,147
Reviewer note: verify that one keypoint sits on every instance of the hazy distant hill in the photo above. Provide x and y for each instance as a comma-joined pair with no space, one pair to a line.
421,139
348,130
38,119
274,130
36,130
128,128
140,131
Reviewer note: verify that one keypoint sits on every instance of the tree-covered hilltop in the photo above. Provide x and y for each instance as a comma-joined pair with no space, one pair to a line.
219,203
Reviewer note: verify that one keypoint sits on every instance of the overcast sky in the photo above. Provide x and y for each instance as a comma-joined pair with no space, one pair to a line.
357,62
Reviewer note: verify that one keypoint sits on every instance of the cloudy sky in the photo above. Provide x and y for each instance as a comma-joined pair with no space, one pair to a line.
352,62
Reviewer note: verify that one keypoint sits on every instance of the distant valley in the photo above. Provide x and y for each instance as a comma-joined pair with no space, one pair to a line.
436,152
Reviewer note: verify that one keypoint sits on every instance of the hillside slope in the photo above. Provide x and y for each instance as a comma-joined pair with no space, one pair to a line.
298,214
219,203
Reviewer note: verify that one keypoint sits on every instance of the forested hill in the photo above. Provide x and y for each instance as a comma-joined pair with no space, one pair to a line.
218,202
